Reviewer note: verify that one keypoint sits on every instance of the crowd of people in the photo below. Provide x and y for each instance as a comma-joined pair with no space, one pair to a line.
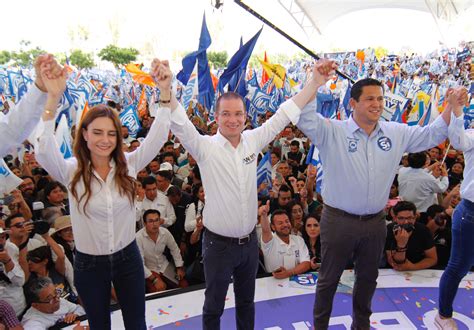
179,206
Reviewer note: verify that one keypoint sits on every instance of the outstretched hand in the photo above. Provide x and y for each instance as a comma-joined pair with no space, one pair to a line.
323,71
54,78
457,99
161,74
44,59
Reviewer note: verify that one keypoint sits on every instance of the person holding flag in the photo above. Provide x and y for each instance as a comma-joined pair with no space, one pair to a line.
101,185
23,118
360,157
228,163
462,247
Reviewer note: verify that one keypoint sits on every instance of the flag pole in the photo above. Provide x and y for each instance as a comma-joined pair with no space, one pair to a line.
287,36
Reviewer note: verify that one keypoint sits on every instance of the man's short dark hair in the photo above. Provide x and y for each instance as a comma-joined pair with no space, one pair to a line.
285,188
168,154
295,143
229,96
150,211
433,210
168,175
173,191
23,177
8,221
168,143
278,212
356,90
404,206
148,180
417,159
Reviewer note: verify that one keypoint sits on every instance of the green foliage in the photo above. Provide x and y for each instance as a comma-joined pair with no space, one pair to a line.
81,60
5,56
26,57
117,55
217,59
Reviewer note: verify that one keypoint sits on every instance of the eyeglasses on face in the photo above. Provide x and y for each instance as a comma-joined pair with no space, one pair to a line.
405,218
51,300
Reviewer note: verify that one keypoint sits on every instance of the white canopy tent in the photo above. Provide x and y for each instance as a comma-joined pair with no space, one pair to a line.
314,15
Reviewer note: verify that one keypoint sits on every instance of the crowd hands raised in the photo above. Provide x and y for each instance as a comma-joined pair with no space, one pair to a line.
36,277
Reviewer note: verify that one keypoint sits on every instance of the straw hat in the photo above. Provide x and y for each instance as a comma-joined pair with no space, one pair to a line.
62,222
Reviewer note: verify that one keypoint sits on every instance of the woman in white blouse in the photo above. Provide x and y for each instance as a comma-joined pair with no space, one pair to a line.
100,181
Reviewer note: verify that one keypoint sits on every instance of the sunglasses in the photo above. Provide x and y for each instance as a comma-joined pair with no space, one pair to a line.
20,225
34,259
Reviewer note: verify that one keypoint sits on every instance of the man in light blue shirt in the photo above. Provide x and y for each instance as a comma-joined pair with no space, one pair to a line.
360,157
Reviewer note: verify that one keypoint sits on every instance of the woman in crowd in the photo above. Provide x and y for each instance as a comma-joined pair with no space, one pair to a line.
63,236
311,237
296,211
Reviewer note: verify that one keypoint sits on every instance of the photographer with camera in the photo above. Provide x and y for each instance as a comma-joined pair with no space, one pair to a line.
409,244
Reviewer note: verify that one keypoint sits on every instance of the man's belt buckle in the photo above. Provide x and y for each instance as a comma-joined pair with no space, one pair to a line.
244,239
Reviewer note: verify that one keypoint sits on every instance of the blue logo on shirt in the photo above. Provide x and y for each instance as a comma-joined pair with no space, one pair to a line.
384,143
352,144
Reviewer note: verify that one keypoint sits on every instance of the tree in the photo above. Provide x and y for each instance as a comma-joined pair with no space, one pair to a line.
81,60
5,56
26,57
217,59
118,56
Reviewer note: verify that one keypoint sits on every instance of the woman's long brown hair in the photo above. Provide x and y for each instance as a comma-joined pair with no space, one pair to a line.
124,182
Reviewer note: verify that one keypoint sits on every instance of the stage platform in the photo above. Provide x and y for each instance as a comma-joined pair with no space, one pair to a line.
403,300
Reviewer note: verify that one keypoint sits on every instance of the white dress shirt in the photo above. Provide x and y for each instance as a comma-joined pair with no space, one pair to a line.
109,224
418,186
191,215
163,205
21,120
277,253
36,320
152,252
12,292
463,140
229,174
359,169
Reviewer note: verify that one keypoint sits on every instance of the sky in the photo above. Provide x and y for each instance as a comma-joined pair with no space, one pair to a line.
169,29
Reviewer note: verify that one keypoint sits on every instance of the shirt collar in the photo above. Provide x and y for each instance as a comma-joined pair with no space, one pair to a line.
222,140
354,127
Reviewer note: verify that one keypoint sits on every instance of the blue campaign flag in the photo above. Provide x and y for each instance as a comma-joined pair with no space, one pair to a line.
345,102
264,170
235,72
63,137
206,88
129,118
17,84
314,159
327,105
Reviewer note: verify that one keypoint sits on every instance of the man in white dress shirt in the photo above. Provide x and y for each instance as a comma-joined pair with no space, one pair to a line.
417,185
285,254
228,163
157,200
152,241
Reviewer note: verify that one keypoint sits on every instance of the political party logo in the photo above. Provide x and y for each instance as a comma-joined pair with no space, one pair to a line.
305,280
250,158
352,144
384,143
